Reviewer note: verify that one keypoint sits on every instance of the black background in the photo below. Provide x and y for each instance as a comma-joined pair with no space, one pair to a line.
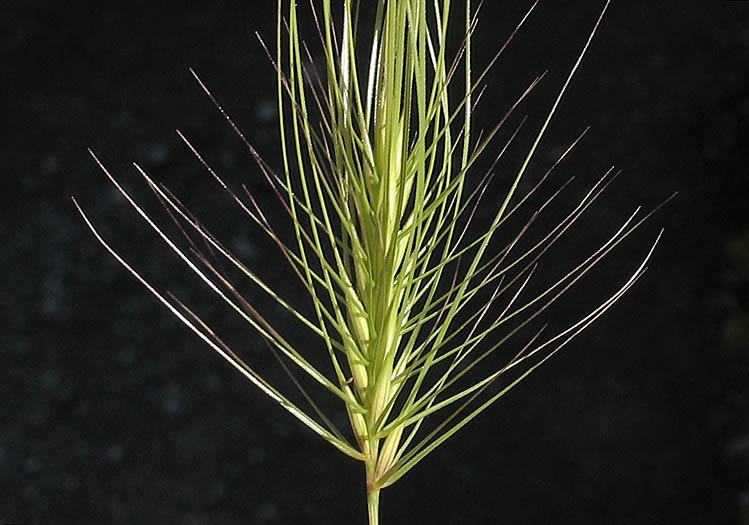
111,412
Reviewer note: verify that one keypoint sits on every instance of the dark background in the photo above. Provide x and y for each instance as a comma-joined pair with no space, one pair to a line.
111,412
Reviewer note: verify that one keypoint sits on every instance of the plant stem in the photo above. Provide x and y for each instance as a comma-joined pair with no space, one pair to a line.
373,506
373,494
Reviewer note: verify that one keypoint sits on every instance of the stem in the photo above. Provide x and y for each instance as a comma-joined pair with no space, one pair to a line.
373,496
373,506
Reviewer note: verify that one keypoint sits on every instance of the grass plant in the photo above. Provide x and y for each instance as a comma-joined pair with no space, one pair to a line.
379,180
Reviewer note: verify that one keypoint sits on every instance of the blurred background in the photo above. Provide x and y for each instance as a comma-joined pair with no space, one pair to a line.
111,412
